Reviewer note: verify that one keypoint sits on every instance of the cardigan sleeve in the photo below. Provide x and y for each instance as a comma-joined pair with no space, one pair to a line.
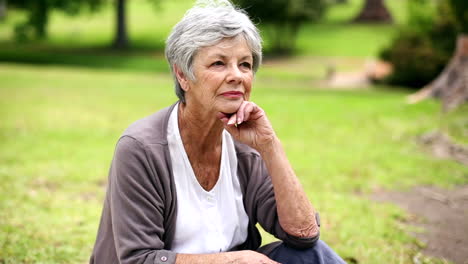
137,206
264,205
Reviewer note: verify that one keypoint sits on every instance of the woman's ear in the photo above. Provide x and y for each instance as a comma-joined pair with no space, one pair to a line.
181,78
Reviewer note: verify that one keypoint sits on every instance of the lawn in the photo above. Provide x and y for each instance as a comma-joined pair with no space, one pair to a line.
59,126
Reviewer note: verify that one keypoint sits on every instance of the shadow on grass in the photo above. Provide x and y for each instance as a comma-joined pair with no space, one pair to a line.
139,58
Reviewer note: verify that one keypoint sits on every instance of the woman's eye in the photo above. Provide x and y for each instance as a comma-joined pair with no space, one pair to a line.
246,64
217,63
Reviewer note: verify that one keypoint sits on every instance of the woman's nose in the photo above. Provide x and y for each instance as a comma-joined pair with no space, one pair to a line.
234,75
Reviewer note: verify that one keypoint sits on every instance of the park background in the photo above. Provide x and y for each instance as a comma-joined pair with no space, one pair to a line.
66,98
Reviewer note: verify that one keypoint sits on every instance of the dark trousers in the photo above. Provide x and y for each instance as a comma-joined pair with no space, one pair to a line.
321,253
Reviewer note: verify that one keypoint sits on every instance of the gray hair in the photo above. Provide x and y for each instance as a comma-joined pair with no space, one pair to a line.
205,24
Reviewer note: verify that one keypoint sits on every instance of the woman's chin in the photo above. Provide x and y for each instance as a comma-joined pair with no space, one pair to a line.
230,107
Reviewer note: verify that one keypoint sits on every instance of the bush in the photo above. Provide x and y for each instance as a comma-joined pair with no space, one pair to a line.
415,60
422,49
460,12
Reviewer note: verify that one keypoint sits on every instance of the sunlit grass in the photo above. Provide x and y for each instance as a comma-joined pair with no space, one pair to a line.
454,123
336,35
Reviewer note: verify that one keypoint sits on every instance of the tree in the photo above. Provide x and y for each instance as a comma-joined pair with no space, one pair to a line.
283,18
452,84
374,11
121,40
38,12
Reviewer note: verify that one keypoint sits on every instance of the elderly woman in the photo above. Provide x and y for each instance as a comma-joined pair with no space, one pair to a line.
189,183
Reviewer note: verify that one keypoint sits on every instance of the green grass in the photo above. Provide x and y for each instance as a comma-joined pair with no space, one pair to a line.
455,124
337,36
354,40
59,127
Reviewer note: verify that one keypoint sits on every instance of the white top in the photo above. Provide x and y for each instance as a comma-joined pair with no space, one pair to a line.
207,221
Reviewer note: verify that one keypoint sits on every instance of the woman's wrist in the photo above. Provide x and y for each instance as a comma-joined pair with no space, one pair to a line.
269,146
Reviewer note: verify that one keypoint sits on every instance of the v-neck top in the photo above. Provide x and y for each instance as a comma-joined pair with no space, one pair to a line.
207,221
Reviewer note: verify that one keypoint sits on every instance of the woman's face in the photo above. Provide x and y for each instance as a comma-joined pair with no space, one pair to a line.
223,76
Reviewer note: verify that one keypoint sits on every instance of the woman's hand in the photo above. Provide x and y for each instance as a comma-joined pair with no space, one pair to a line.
249,125
249,257
233,257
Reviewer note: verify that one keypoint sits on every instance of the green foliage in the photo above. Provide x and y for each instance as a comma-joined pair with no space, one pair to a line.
422,48
38,12
283,18
415,60
421,14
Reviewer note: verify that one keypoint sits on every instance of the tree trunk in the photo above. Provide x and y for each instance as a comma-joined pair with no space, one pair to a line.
374,11
121,37
3,9
39,17
451,86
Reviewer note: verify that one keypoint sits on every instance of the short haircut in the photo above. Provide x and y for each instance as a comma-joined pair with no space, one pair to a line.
206,24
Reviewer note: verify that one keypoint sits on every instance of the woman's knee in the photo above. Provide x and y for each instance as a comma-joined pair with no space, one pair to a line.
320,253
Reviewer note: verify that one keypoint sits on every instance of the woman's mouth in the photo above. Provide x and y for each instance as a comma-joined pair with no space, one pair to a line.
233,94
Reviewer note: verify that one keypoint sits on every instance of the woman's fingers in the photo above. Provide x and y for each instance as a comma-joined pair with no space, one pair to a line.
249,109
223,117
240,112
245,111
232,120
255,130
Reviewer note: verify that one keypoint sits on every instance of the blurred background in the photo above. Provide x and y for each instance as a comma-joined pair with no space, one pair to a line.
368,96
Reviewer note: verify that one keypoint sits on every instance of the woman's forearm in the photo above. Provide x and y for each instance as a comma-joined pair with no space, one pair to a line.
296,214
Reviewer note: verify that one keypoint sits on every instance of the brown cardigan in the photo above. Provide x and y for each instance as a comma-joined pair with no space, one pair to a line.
139,215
